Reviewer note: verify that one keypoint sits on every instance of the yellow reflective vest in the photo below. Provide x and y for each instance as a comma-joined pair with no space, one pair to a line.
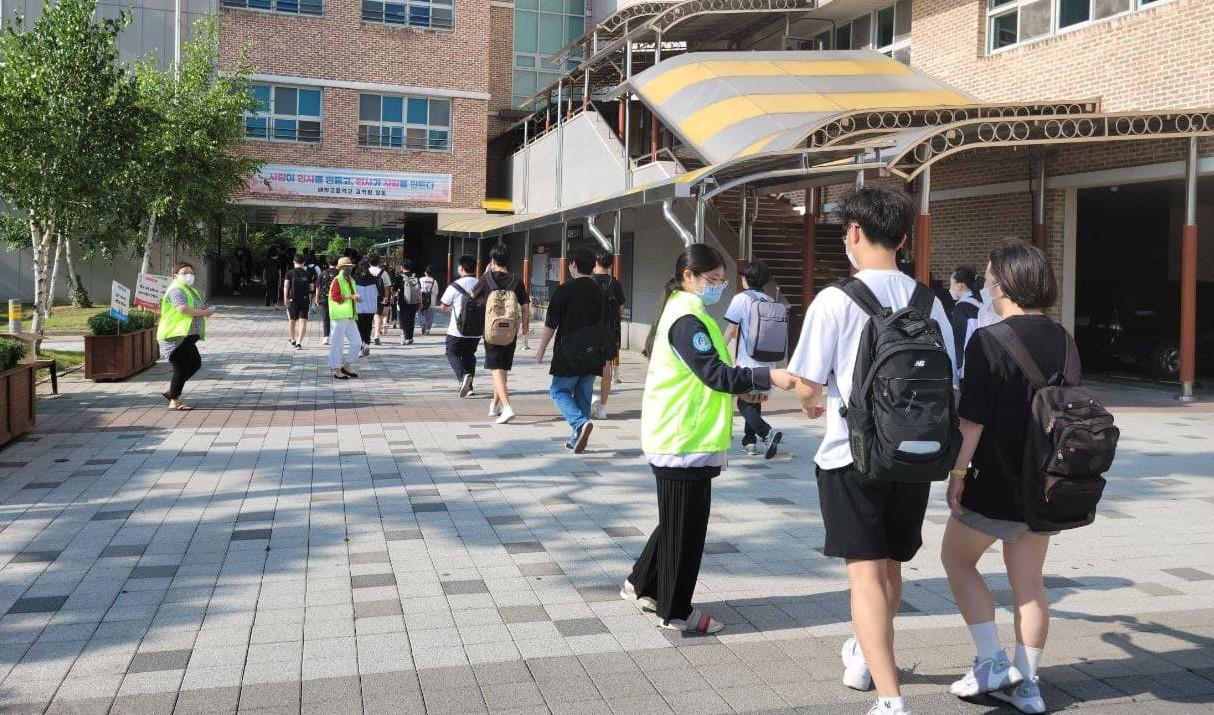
173,322
345,309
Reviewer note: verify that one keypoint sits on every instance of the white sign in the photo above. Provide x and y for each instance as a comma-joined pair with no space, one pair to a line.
120,301
317,182
150,290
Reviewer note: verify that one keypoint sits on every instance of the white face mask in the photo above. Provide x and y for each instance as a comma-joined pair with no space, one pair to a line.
187,279
956,294
851,257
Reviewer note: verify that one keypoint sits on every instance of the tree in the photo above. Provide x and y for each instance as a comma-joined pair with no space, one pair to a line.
192,163
70,125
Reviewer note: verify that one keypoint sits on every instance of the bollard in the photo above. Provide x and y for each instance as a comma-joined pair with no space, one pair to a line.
14,315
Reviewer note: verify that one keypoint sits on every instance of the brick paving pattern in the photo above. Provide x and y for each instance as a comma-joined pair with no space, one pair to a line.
300,544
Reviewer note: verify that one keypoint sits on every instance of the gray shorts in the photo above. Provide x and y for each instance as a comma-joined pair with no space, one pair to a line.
1000,529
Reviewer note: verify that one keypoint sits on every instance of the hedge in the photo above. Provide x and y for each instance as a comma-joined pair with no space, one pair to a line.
11,352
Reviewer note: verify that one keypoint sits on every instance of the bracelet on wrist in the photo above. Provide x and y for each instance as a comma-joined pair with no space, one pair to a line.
957,472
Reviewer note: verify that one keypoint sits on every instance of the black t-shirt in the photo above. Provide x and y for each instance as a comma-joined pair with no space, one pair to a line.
576,304
996,394
302,281
501,281
615,297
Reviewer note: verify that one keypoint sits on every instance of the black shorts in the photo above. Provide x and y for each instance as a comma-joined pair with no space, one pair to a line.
867,518
297,310
499,357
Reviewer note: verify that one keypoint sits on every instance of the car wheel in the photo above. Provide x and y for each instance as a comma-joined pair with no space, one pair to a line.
1165,360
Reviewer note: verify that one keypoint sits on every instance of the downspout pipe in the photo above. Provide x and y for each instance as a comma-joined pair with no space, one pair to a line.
668,214
598,234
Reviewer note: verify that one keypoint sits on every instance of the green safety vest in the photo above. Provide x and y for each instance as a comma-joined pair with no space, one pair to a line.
679,413
345,310
173,322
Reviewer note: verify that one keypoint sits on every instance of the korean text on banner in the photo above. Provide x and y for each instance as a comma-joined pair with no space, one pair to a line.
150,290
321,182
120,301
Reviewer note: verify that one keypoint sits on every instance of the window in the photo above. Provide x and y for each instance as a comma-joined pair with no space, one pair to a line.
292,7
888,30
429,14
541,29
413,123
1014,22
289,114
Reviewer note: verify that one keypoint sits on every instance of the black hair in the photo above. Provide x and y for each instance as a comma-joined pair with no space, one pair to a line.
583,259
468,263
886,216
407,264
429,270
363,270
699,258
1024,274
373,259
299,258
333,261
971,279
500,255
605,259
757,274
184,264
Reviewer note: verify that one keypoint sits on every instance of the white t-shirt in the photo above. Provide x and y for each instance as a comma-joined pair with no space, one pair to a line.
456,300
830,338
738,313
426,284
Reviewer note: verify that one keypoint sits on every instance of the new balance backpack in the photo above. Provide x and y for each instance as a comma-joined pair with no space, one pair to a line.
502,311
471,319
410,290
902,414
1070,441
767,329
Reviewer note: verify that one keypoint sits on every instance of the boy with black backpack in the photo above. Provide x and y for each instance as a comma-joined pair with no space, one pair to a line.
877,350
298,293
466,326
408,300
613,290
757,327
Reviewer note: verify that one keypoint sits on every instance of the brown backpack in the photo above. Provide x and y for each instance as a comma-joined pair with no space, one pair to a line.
502,312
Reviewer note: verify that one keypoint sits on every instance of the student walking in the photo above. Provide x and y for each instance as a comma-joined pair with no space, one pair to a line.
461,346
383,280
686,425
299,294
324,283
408,301
986,499
758,437
272,277
506,317
614,290
577,308
874,524
425,311
183,316
368,287
343,296
965,286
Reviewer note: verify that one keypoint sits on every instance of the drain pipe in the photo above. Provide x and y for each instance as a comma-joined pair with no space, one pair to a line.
668,214
598,234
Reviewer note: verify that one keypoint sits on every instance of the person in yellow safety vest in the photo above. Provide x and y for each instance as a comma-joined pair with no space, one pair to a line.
182,324
686,426
342,329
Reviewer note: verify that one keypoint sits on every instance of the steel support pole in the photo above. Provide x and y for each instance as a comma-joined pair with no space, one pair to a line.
1188,279
560,146
657,48
653,135
627,119
1039,205
478,258
617,240
743,240
701,207
450,257
526,168
527,260
564,274
585,90
923,230
177,39
808,249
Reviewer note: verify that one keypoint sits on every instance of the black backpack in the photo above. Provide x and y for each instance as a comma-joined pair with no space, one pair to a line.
301,283
1070,441
902,414
587,349
471,319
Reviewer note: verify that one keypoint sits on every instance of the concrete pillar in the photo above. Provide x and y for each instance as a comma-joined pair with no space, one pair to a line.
923,230
1188,279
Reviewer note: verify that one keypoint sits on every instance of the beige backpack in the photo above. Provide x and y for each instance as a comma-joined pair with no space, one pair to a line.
502,312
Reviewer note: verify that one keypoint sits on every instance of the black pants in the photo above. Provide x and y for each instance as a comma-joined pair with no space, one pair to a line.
323,307
185,361
670,564
461,353
273,290
756,426
365,321
408,318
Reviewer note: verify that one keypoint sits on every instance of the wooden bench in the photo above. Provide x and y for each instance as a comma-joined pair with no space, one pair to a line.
33,341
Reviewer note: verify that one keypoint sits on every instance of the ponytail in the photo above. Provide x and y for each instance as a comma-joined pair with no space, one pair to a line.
968,277
699,258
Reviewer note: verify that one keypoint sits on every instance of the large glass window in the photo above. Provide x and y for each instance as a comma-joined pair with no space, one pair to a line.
1013,22
541,29
888,30
413,123
289,114
432,14
291,7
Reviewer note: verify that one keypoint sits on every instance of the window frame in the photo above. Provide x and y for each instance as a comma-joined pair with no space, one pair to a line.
407,9
404,124
543,73
273,9
1008,7
873,25
271,116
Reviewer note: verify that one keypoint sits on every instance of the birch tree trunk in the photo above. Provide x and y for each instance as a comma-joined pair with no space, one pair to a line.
50,291
147,246
71,269
40,240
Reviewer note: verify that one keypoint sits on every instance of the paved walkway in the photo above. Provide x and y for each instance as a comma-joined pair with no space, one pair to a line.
376,545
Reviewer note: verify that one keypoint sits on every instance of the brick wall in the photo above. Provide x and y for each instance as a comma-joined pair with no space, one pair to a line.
1157,58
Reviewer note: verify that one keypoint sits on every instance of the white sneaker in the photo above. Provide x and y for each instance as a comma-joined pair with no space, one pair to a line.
855,670
882,707
751,448
988,675
506,415
696,622
629,593
494,408
1025,697
465,387
598,411
325,341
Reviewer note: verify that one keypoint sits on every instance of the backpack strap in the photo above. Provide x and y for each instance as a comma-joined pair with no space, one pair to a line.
1007,337
862,295
1072,368
460,289
922,300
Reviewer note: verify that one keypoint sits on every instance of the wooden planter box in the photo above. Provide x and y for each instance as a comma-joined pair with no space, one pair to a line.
117,357
17,402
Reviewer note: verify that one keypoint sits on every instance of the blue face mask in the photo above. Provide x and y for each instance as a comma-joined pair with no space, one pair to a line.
711,292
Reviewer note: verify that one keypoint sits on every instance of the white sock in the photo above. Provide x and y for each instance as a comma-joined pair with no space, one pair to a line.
1027,658
986,638
898,703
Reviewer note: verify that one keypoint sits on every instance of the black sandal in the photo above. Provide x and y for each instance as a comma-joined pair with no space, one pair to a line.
348,373
340,377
